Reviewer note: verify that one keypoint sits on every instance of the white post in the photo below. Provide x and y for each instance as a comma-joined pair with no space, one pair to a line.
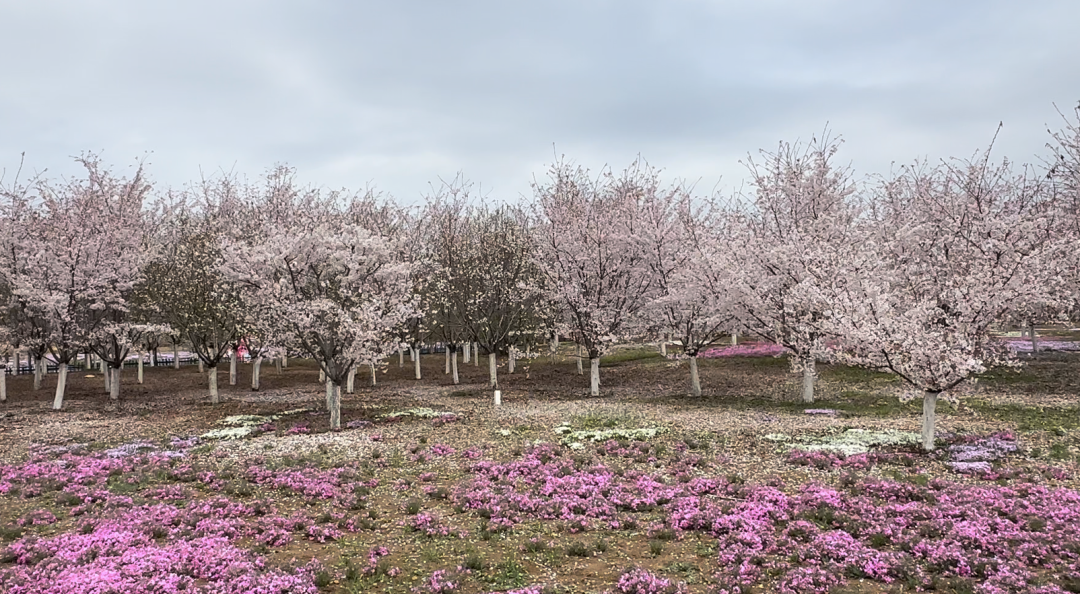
498,397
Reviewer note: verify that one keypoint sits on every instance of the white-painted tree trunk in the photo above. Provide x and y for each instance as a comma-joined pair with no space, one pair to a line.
453,367
446,352
232,368
108,377
414,352
87,363
175,356
333,400
277,364
594,376
114,385
140,368
215,397
374,381
3,383
510,362
695,380
465,351
322,376
663,344
401,357
256,373
202,366
350,381
580,371
1034,339
734,339
61,386
285,361
38,372
476,354
493,369
809,375
929,416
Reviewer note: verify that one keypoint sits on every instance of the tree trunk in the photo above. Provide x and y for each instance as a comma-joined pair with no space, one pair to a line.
510,362
114,386
3,382
493,370
446,352
39,371
277,364
663,344
256,372
414,352
202,367
373,380
476,354
87,363
232,368
734,339
140,368
333,402
285,361
400,357
214,396
580,371
108,377
453,367
808,377
594,376
61,386
350,381
1034,339
322,376
153,357
466,352
929,414
175,356
695,381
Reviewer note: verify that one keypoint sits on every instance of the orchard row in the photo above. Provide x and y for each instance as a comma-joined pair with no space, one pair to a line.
905,274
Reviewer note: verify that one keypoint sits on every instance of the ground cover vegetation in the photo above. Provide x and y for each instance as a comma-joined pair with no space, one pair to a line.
456,479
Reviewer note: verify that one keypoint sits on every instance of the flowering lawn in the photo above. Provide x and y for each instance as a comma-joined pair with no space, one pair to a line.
618,515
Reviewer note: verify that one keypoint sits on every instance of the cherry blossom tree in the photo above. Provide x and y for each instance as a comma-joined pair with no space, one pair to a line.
688,249
589,252
77,264
783,245
949,251
1064,175
336,288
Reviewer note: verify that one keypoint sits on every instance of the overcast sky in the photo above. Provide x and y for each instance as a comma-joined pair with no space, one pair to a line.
397,94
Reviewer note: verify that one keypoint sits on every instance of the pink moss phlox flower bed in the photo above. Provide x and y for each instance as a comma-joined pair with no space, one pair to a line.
142,536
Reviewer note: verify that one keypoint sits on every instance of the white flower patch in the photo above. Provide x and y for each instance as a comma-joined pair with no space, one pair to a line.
851,442
230,432
423,413
238,426
599,435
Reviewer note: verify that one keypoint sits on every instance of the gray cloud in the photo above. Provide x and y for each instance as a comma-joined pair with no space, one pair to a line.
400,94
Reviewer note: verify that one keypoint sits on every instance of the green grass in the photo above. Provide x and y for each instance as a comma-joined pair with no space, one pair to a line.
1031,418
627,355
